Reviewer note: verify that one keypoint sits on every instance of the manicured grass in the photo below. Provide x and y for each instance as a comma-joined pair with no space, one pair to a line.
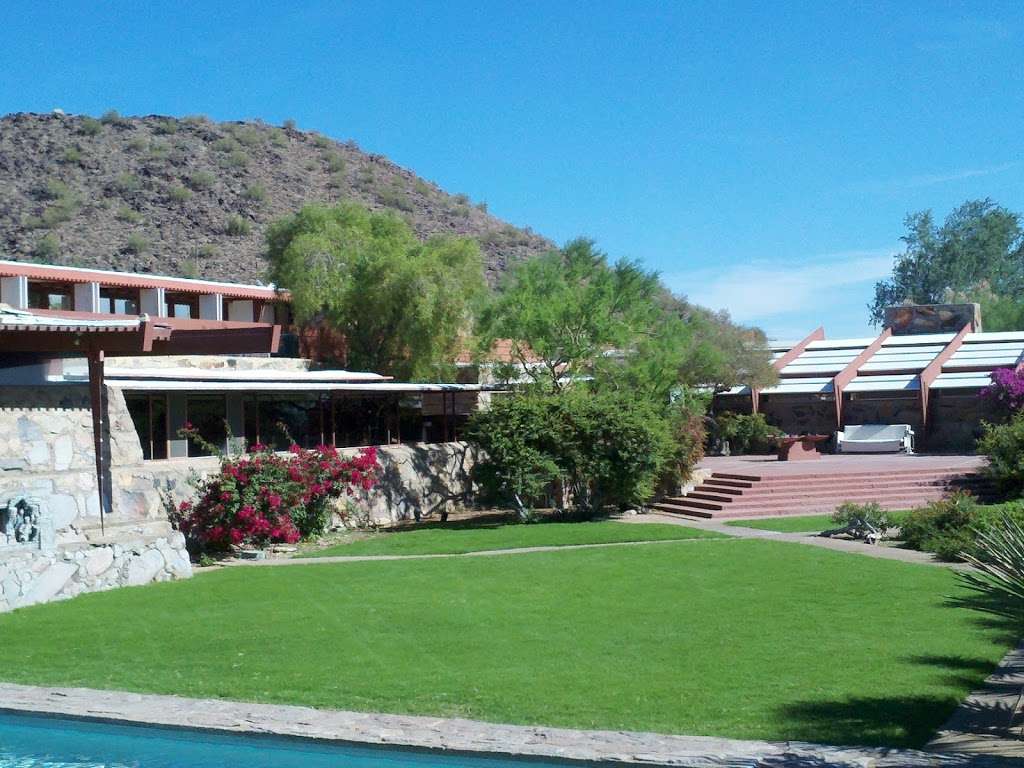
740,638
797,523
437,540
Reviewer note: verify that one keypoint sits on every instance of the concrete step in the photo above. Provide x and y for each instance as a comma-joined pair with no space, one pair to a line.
721,482
704,495
849,476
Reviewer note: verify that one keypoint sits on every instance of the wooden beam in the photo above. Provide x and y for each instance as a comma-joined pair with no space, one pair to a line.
849,373
931,372
98,421
816,335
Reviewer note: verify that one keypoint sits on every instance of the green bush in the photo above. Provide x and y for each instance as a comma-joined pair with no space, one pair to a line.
236,159
256,192
136,144
130,215
849,513
951,527
47,248
90,126
201,180
596,451
236,226
247,135
288,125
71,156
113,117
136,243
226,144
63,208
747,433
179,194
127,183
166,127
1003,444
335,162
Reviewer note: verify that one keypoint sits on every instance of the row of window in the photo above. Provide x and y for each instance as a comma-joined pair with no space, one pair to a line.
280,421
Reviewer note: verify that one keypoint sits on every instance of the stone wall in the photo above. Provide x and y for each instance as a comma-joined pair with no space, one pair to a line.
415,480
31,576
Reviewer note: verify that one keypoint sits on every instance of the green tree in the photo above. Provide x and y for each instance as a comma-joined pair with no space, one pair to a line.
569,314
980,242
402,305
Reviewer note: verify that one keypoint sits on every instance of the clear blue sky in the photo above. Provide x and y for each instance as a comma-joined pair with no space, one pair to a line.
761,156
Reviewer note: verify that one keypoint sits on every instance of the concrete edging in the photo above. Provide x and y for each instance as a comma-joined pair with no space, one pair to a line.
456,735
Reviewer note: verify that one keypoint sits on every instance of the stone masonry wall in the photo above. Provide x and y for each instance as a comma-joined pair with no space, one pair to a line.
31,576
415,480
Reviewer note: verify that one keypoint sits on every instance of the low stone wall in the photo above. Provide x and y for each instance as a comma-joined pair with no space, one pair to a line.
415,480
30,576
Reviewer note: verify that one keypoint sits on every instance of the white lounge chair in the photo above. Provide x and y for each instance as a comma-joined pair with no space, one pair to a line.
875,438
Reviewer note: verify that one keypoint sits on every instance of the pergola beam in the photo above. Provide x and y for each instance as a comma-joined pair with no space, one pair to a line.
931,372
783,360
849,373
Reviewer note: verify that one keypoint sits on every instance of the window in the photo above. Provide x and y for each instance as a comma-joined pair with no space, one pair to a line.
208,415
55,296
184,305
277,420
119,301
149,414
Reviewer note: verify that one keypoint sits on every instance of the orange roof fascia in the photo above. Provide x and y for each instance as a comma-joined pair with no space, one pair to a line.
132,280
934,368
849,373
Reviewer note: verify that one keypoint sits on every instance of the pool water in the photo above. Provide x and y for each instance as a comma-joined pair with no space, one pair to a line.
30,741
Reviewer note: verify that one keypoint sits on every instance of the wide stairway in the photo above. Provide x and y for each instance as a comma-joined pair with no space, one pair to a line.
729,494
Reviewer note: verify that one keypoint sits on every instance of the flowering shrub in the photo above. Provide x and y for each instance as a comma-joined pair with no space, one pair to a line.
1005,395
264,497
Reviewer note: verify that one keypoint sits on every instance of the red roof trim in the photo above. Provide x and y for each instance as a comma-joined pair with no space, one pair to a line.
134,280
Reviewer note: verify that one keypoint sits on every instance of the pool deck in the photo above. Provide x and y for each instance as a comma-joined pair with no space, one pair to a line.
462,736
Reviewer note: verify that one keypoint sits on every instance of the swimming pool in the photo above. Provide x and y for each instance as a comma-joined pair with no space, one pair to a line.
30,741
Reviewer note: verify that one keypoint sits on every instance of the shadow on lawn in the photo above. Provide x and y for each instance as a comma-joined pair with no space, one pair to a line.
911,721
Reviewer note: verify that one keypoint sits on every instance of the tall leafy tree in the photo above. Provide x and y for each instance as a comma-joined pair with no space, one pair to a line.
979,243
402,305
570,314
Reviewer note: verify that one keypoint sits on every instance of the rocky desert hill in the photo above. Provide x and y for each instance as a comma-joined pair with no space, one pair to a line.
192,198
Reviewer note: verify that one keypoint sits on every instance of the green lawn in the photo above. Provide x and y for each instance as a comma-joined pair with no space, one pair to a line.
797,523
740,638
457,539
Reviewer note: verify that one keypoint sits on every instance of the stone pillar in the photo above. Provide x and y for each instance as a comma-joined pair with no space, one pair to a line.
153,302
177,415
241,312
236,423
14,291
211,306
87,297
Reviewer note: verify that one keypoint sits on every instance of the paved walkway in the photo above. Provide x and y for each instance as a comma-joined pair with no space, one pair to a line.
458,735
881,551
443,555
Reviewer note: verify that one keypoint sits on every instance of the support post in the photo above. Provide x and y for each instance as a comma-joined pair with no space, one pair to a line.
98,422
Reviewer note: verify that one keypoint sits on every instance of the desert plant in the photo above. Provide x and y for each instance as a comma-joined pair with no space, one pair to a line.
166,126
850,513
998,559
943,527
136,144
127,183
747,433
236,226
136,243
335,162
247,135
196,120
47,248
129,215
226,144
206,251
201,180
72,156
236,159
90,126
64,206
256,192
188,268
336,181
113,117
322,141
288,125
179,194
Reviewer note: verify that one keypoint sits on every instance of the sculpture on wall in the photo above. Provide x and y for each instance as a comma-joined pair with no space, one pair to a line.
22,522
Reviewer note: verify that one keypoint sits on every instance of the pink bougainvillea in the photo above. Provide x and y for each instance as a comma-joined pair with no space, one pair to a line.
265,497
1005,394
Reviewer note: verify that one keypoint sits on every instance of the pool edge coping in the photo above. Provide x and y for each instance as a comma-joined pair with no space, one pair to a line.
448,735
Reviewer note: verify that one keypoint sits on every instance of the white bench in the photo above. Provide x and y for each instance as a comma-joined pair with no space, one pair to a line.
875,438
